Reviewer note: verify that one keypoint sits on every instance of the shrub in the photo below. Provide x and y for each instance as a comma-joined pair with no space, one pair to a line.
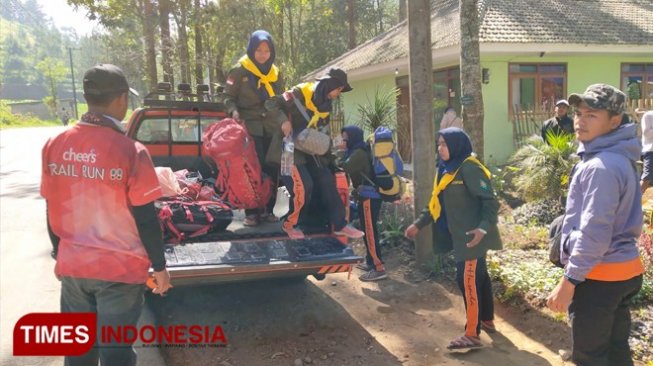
543,169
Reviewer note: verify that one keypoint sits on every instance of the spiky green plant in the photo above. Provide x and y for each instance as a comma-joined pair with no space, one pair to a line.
544,168
380,111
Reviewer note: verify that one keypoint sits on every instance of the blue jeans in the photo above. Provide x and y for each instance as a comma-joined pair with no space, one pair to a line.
116,304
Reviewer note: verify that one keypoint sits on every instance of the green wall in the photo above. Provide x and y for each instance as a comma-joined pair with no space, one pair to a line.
363,92
581,72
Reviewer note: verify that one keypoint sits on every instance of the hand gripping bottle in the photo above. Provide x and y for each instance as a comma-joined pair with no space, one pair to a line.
287,156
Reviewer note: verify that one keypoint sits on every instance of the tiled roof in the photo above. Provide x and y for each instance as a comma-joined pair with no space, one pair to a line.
601,22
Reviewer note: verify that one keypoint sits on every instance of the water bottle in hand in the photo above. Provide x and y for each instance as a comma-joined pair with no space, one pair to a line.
287,156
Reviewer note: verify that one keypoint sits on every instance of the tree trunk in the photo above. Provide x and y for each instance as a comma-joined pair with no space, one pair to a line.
470,74
351,15
166,42
291,29
402,10
380,10
150,46
184,55
421,116
199,77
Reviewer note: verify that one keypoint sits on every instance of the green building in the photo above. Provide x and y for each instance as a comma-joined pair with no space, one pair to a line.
533,52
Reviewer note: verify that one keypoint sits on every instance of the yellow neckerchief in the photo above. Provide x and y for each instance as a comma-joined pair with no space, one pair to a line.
267,80
434,204
307,90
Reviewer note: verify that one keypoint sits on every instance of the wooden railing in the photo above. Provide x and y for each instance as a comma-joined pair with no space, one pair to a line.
639,105
526,122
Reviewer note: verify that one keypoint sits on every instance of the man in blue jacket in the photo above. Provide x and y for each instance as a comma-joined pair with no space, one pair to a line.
603,220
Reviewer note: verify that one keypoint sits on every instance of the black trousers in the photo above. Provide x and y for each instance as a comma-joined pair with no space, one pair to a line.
326,193
600,322
368,214
476,286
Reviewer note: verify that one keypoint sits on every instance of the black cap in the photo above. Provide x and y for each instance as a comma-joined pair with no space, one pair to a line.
105,79
339,75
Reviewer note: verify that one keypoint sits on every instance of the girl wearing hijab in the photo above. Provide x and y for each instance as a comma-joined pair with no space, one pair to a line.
357,164
249,84
463,210
311,173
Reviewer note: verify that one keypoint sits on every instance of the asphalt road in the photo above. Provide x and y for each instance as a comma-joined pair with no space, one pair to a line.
27,282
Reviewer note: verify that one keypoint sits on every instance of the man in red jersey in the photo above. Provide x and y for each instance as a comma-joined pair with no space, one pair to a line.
99,187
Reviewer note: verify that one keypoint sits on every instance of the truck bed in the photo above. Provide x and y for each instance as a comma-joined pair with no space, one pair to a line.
245,253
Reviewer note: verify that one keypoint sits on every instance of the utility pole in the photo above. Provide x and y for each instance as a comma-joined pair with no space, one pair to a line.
72,74
421,117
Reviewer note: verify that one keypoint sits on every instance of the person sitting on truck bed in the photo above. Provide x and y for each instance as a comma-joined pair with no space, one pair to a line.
311,173
249,84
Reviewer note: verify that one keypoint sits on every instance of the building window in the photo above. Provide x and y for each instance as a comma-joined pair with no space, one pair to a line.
637,80
536,86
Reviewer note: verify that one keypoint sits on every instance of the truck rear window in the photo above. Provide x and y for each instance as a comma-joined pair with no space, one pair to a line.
158,130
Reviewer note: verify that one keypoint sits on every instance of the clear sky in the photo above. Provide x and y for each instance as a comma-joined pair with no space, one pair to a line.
64,15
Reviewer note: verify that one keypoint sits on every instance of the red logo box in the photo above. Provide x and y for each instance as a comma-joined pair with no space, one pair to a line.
55,334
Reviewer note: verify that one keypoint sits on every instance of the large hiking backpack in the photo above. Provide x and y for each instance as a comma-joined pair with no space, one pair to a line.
184,220
387,165
240,179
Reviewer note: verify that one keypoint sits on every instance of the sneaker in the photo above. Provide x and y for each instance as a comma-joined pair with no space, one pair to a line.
373,275
293,233
350,232
251,220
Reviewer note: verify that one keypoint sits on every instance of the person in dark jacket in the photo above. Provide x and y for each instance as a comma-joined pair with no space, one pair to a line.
603,220
560,123
311,173
357,163
254,80
463,212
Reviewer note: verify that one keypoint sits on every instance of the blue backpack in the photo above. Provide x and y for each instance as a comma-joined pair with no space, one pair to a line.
386,165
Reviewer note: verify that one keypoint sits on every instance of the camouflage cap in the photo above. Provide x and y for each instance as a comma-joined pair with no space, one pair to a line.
601,96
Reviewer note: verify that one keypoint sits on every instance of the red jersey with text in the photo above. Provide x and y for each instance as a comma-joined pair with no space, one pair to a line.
91,177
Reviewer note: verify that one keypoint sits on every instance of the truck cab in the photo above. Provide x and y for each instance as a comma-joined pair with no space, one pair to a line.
170,125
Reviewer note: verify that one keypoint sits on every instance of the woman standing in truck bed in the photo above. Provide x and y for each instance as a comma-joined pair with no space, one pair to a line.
252,81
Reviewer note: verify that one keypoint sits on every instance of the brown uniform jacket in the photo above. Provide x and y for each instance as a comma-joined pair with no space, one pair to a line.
286,107
470,203
242,97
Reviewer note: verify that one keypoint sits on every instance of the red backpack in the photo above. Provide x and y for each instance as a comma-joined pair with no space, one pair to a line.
182,220
240,178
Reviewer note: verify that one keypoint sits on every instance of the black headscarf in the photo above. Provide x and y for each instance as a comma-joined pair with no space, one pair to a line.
322,90
460,148
355,139
254,41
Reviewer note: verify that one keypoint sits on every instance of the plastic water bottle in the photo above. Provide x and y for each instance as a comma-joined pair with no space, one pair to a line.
287,156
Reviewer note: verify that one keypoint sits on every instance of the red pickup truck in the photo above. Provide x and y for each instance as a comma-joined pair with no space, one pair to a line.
170,125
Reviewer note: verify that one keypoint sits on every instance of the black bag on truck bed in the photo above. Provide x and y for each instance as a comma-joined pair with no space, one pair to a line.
183,220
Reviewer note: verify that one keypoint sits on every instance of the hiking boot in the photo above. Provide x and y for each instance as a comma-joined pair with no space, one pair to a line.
350,232
251,220
373,275
293,233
